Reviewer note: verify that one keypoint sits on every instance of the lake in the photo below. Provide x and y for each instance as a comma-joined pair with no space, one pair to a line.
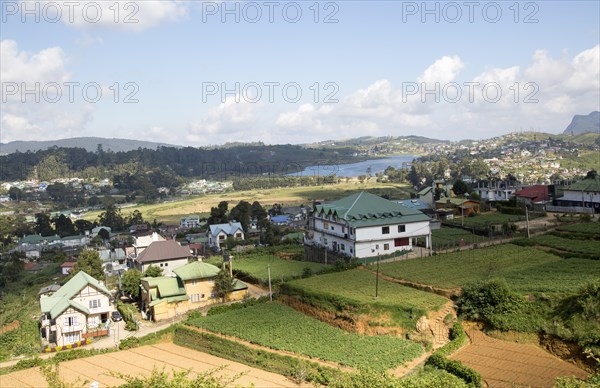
356,169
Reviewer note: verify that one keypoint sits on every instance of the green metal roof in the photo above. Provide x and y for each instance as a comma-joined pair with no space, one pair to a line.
196,270
61,299
585,185
239,285
366,209
167,286
199,240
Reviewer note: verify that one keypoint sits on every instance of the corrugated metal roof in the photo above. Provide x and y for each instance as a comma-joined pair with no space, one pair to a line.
366,209
196,270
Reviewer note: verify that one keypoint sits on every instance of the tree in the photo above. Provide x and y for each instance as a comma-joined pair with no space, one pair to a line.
90,263
130,283
58,192
223,284
242,213
592,174
218,215
15,193
64,226
81,226
153,271
135,218
112,218
460,188
42,224
260,214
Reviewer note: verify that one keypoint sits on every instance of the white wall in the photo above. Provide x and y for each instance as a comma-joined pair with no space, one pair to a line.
167,265
588,196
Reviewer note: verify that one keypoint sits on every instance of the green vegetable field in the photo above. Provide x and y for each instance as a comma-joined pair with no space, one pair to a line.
526,269
283,328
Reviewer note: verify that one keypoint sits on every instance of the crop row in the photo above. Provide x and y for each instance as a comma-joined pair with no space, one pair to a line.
283,328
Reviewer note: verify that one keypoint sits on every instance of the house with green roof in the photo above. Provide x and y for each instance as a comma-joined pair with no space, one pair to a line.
584,194
77,310
190,287
366,225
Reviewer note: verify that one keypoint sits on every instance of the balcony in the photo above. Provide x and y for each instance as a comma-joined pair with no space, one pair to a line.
335,233
72,328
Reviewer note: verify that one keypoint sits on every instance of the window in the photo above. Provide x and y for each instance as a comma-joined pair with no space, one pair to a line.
195,298
161,264
386,247
385,230
95,303
342,247
221,237
238,235
401,228
325,241
166,264
351,250
71,321
376,246
400,242
71,337
194,282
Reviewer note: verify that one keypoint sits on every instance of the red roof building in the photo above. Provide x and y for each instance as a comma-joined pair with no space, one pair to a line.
533,194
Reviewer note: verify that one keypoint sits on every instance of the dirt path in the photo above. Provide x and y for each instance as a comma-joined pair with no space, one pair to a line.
249,344
509,364
141,361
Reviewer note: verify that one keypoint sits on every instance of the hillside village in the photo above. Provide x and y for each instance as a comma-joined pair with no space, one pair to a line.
396,256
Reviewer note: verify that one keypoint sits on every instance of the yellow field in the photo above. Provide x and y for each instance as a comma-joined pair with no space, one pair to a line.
172,211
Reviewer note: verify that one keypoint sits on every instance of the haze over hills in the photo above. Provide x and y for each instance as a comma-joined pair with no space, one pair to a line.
584,124
89,143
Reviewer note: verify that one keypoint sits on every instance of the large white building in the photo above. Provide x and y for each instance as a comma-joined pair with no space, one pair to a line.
365,225
583,194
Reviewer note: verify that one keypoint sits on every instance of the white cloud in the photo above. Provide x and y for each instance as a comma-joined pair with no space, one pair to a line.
114,14
443,70
562,87
24,118
227,122
47,65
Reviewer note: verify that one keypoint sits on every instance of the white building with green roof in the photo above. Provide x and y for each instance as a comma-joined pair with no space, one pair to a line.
365,225
76,311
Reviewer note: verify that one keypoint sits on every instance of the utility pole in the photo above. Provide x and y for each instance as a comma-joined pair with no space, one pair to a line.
527,220
270,292
377,279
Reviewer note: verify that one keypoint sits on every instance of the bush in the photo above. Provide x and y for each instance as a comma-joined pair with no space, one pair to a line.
456,368
128,343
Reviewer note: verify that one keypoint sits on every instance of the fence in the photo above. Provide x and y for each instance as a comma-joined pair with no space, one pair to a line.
569,209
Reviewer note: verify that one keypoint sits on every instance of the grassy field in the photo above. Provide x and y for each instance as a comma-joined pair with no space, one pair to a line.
283,328
356,289
445,238
253,265
588,247
482,220
172,211
592,228
526,269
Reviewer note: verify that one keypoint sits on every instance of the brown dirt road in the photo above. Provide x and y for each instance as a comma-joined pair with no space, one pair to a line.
141,361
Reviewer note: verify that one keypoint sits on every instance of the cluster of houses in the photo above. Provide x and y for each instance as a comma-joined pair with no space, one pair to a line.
361,225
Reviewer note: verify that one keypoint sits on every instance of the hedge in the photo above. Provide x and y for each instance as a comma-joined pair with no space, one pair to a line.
269,361
439,357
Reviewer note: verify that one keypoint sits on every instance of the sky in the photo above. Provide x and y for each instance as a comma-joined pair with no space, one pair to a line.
198,73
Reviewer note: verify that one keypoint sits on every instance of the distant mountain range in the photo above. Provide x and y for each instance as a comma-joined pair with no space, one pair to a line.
584,124
89,143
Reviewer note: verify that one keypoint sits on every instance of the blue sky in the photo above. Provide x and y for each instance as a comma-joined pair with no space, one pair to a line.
371,57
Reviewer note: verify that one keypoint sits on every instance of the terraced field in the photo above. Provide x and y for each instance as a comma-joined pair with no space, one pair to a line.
283,328
526,269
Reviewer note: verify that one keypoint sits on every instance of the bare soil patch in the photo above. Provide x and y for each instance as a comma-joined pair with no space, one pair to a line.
141,361
508,364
